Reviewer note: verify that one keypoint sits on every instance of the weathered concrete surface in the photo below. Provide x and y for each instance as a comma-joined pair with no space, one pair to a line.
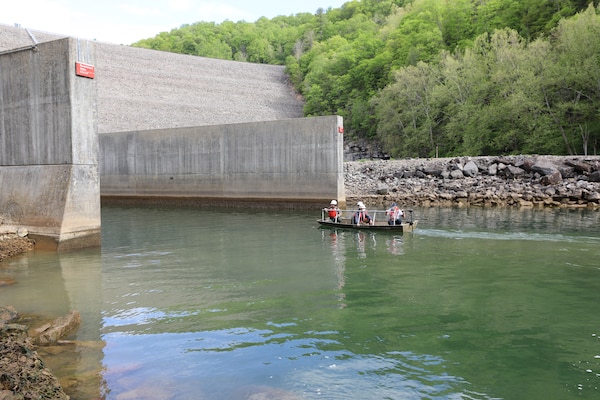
49,145
299,160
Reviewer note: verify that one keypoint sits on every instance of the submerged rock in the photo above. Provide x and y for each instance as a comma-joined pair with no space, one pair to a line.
59,328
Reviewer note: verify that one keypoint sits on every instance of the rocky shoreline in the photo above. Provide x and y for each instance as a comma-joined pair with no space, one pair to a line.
507,181
23,374
12,245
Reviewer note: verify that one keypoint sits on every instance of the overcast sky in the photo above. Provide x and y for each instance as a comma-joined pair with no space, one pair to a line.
127,21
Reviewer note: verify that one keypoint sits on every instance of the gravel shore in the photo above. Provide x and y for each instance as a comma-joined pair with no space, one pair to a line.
505,181
13,245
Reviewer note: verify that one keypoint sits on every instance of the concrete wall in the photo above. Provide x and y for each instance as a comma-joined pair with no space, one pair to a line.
295,160
49,145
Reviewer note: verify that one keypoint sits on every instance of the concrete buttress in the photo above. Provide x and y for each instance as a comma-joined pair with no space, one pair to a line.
49,181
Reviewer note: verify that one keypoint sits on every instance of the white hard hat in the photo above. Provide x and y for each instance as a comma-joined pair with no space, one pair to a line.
333,202
360,204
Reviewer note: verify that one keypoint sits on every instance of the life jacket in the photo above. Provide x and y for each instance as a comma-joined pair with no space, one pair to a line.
361,216
333,212
394,213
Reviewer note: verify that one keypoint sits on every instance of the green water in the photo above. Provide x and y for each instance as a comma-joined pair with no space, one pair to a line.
224,304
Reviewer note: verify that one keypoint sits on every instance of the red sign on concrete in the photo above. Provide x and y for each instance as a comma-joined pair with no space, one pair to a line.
85,70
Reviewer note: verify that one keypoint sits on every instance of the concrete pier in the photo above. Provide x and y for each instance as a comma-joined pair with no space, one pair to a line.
49,145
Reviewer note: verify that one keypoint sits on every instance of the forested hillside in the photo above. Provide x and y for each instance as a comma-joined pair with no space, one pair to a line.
432,77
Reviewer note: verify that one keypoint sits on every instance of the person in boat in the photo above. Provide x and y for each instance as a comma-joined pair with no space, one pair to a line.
394,214
333,212
362,215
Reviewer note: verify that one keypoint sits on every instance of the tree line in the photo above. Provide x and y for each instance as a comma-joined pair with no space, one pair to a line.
432,78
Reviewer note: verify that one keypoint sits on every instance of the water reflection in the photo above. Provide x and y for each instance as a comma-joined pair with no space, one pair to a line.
213,304
337,244
364,242
361,242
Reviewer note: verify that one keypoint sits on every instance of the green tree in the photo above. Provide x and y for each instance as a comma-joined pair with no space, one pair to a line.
418,36
407,113
575,81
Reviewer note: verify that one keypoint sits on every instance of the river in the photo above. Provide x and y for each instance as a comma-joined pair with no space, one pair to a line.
232,304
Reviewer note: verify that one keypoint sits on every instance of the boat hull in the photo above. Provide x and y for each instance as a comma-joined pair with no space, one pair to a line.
404,227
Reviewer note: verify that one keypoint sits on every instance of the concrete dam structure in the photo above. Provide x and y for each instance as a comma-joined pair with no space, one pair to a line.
49,146
140,89
149,125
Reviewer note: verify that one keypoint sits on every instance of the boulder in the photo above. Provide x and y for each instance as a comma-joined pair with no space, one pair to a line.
544,168
433,170
567,172
579,166
551,179
60,327
456,174
514,171
526,164
594,176
470,169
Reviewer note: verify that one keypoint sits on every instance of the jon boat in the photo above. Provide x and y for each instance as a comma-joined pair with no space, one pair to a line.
379,222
